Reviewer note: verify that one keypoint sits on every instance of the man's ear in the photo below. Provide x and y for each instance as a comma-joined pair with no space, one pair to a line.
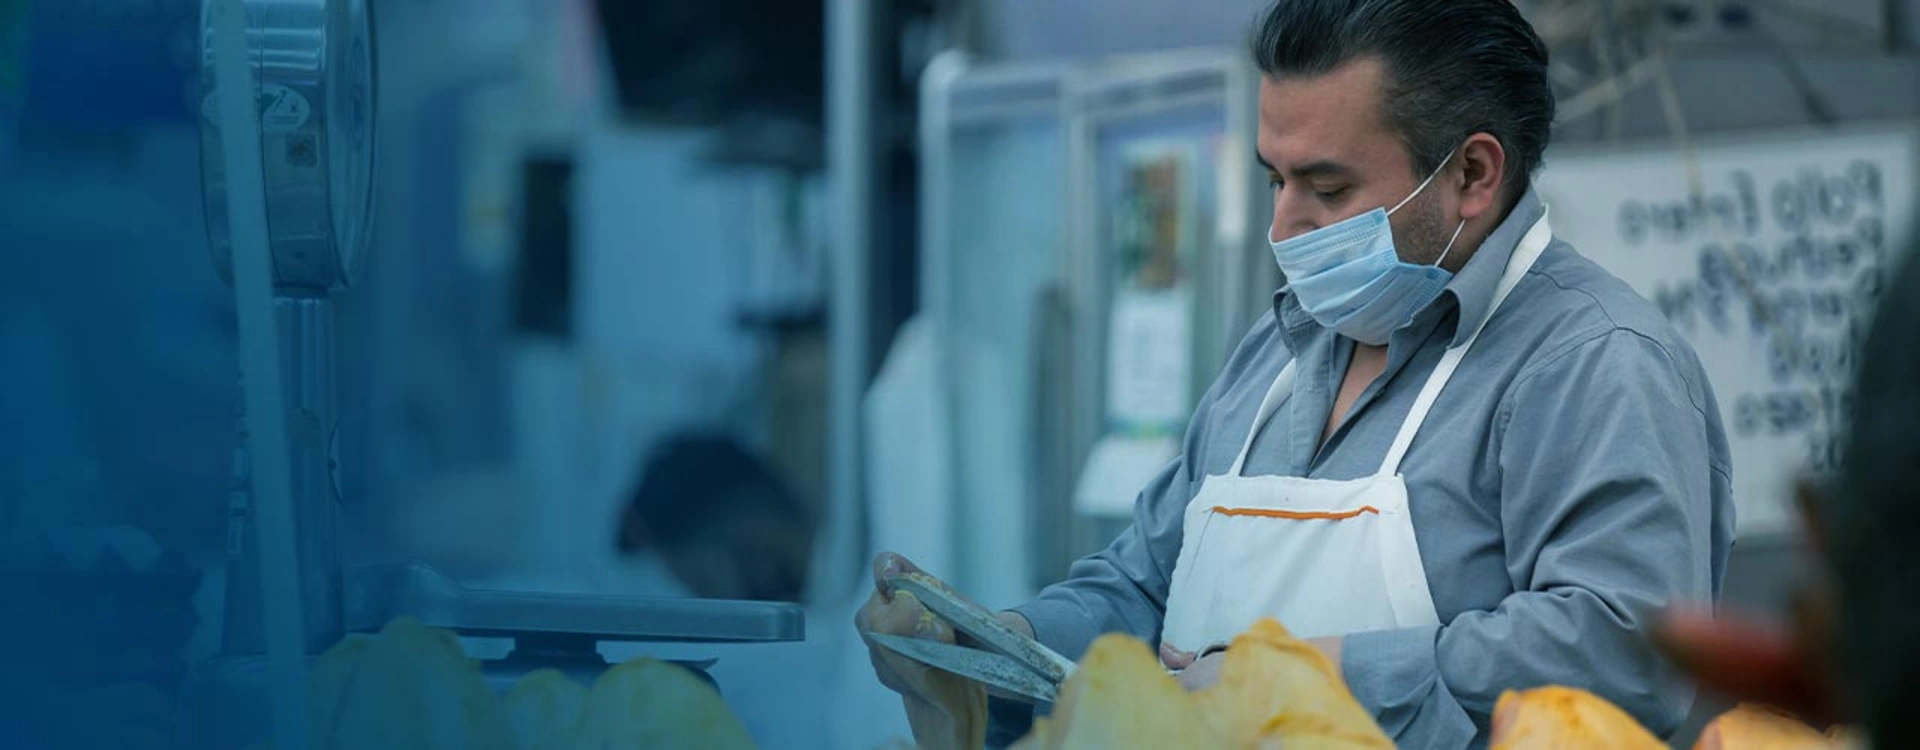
1483,168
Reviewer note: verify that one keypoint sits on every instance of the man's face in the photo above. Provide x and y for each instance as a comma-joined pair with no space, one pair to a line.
1331,155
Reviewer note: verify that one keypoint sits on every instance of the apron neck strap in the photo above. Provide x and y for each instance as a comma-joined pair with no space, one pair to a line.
1531,246
1276,394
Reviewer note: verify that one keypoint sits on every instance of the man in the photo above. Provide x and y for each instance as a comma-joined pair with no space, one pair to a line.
1458,456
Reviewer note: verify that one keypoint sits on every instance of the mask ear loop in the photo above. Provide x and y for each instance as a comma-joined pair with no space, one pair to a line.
1450,241
1423,183
1423,186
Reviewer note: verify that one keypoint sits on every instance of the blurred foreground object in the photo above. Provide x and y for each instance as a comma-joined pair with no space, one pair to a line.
1277,687
1755,727
1850,654
652,704
1756,664
1867,528
545,703
1571,719
1274,690
1121,698
1565,718
411,686
98,617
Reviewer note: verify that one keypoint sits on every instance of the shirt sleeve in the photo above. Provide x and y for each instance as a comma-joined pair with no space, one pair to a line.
1609,497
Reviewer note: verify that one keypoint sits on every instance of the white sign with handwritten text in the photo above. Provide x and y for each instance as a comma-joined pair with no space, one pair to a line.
1772,272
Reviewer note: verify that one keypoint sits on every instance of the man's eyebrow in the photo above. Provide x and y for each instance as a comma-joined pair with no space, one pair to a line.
1322,169
1309,170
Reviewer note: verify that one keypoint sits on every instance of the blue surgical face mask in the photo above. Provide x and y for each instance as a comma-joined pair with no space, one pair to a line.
1348,276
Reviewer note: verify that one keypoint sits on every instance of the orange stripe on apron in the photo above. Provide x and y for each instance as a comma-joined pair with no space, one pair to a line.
1296,515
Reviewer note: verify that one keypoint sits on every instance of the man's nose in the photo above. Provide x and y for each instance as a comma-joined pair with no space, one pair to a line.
1291,218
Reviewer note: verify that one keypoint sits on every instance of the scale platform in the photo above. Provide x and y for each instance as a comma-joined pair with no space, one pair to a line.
377,594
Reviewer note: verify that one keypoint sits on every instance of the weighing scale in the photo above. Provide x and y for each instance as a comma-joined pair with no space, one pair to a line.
303,215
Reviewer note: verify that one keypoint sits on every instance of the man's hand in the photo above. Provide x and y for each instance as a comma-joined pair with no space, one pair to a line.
1203,672
1331,647
945,710
883,614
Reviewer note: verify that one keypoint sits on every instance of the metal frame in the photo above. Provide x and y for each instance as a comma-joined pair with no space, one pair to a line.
850,169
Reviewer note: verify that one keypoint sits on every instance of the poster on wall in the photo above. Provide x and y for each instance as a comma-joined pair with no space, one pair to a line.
1768,253
1150,324
1156,222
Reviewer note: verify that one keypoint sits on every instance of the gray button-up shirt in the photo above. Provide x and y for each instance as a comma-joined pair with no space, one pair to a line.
1572,479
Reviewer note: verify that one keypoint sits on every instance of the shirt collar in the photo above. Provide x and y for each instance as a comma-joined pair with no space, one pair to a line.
1475,285
1471,289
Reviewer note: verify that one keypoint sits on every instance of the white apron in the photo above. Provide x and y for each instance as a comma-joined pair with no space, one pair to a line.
1325,557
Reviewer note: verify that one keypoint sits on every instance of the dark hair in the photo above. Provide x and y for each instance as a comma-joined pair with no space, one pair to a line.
1453,68
697,483
1873,522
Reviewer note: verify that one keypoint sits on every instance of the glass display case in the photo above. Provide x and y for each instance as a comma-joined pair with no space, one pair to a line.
1167,266
1093,251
